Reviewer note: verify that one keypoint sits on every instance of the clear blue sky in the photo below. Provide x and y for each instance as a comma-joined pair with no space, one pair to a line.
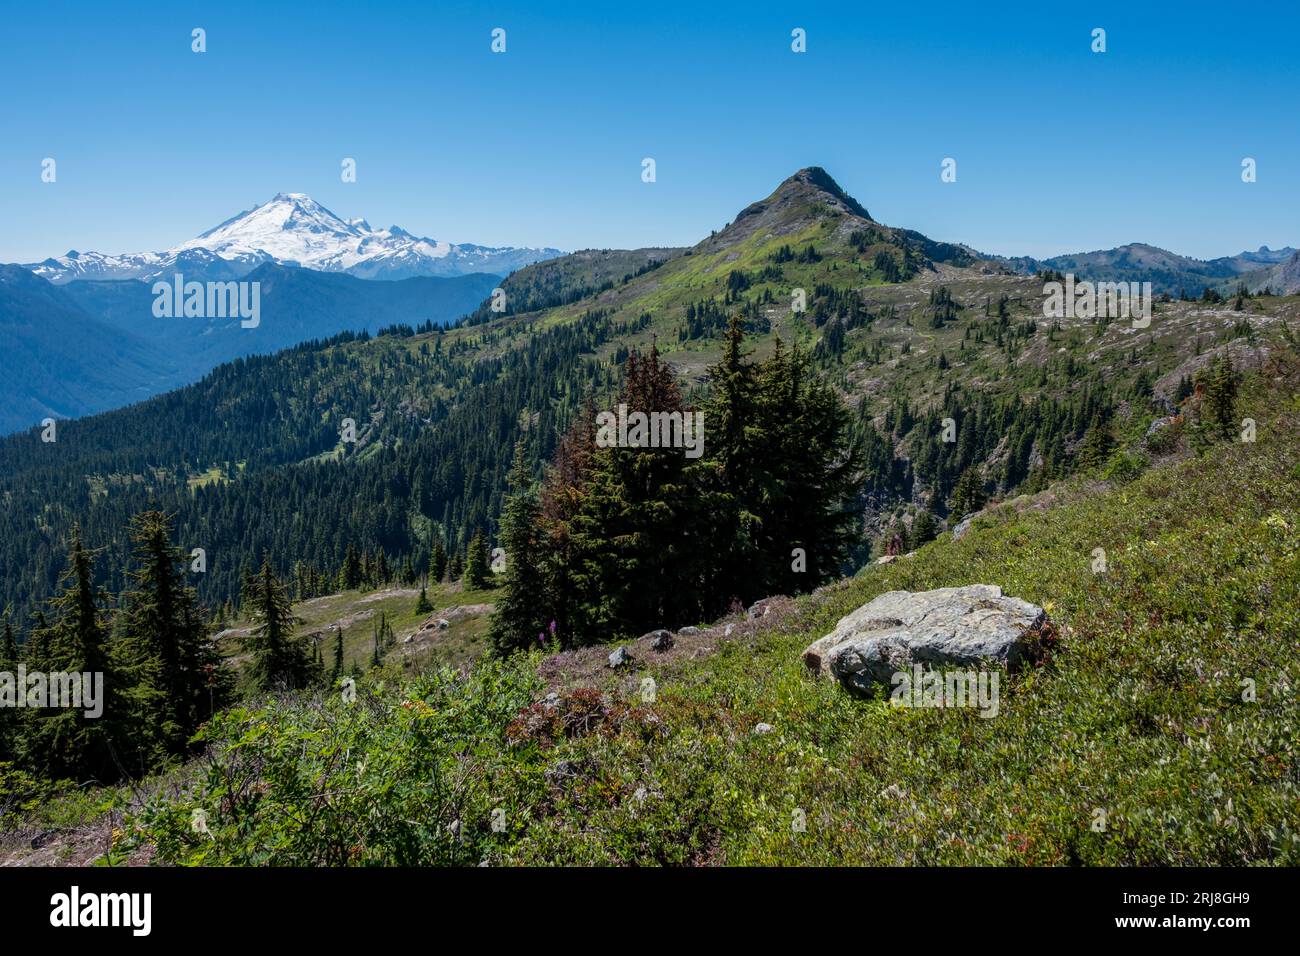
1058,149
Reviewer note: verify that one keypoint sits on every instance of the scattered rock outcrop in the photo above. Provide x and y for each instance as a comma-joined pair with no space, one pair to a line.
947,627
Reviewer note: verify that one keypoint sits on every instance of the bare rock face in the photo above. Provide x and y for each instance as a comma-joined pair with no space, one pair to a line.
947,627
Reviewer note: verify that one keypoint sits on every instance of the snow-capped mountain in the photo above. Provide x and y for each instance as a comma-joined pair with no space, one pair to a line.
294,229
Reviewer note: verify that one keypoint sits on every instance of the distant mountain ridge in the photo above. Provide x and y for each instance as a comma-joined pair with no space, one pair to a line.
1166,271
1282,278
61,362
294,229
89,346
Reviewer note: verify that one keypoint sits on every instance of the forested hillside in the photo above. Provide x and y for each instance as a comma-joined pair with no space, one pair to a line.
1165,711
337,518
255,460
86,346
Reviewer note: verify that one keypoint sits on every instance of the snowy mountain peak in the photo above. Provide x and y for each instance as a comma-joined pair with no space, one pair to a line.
294,229
291,227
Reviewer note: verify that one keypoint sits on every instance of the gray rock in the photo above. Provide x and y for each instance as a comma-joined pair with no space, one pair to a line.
443,624
763,728
962,626
661,640
688,631
887,559
959,532
620,657
727,632
1158,424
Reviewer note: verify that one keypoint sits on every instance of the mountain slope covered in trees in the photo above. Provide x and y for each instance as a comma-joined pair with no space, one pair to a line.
1166,711
86,346
907,331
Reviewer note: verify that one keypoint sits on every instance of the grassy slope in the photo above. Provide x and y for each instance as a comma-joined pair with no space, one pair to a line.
1139,715
357,612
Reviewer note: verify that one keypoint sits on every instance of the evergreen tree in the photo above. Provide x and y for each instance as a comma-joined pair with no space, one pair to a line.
34,650
1097,445
637,540
9,717
733,484
1221,396
337,670
968,496
9,653
422,606
455,567
64,741
810,473
350,575
477,574
437,563
563,494
382,637
924,529
280,660
520,612
175,676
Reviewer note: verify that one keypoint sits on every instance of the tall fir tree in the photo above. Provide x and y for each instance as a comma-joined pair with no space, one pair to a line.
350,575
1221,396
968,496
637,539
924,529
563,493
280,659
437,563
9,653
9,716
176,677
337,670
520,611
66,741
477,574
808,477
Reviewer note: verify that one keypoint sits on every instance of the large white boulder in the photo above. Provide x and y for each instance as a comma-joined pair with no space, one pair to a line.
947,627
